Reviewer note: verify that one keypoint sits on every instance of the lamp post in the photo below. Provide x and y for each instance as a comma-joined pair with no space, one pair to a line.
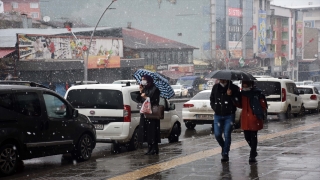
251,28
88,49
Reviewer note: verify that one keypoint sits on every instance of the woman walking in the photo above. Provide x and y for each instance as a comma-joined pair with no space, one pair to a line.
253,106
149,129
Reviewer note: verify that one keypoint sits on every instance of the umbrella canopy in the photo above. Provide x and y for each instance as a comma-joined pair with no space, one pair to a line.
159,81
231,75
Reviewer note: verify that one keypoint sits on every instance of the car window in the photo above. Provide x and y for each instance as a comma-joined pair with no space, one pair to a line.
269,87
28,104
305,90
290,88
134,96
316,90
96,98
6,101
202,96
55,107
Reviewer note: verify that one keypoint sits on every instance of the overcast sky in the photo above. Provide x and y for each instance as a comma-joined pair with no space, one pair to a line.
294,2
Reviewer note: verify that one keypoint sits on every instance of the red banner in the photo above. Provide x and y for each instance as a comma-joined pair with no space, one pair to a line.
235,12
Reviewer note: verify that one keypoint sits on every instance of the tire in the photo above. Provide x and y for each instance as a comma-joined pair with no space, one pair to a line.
317,110
84,148
134,144
8,159
302,112
288,113
175,133
190,125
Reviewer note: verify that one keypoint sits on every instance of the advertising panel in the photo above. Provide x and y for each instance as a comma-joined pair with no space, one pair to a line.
262,33
235,12
299,33
104,53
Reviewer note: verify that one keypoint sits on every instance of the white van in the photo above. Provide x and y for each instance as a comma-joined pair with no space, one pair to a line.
282,96
112,108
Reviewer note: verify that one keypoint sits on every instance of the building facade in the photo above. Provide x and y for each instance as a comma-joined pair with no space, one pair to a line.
31,7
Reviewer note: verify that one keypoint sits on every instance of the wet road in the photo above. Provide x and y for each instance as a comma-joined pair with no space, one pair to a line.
105,164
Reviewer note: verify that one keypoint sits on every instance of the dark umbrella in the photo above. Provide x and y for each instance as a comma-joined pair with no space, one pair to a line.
231,75
159,81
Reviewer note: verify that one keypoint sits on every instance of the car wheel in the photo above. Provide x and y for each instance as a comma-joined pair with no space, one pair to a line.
317,110
84,148
8,159
288,112
134,144
190,125
175,133
302,111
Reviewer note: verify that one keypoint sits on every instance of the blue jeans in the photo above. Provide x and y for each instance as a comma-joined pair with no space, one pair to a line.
223,124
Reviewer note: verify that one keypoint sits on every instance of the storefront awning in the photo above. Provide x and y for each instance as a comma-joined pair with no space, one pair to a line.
5,52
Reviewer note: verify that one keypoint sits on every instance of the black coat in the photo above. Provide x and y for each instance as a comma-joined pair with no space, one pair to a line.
149,129
221,103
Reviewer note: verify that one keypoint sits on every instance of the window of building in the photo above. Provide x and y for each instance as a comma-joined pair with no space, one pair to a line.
285,22
273,48
35,15
15,5
274,35
34,5
285,35
283,48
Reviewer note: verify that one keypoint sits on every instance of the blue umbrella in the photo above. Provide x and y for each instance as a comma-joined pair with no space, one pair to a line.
159,81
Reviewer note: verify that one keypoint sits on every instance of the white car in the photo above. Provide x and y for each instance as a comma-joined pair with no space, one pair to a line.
180,91
198,111
131,81
310,98
282,96
113,110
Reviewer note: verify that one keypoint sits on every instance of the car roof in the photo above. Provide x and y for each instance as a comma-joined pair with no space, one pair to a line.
104,86
19,87
305,86
33,84
275,80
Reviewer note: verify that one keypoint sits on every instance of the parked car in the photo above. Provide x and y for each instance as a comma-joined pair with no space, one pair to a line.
198,111
299,83
310,97
113,110
76,83
282,96
302,83
180,91
24,83
194,84
132,82
38,122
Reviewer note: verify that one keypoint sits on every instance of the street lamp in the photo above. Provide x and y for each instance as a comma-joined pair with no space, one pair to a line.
88,49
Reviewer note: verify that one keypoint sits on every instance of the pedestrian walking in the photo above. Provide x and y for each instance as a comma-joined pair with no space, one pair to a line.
254,106
149,129
223,100
66,87
52,86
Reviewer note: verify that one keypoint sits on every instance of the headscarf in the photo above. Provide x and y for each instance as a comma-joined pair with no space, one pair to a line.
149,80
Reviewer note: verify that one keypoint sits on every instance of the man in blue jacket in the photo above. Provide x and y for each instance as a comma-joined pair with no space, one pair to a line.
223,100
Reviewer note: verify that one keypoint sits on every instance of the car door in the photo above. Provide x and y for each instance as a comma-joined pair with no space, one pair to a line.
60,125
316,91
297,98
165,123
30,116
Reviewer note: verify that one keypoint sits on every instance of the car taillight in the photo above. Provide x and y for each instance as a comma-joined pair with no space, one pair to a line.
127,113
284,95
313,97
188,105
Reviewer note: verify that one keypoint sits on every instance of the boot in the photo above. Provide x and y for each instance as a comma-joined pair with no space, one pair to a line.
155,149
149,149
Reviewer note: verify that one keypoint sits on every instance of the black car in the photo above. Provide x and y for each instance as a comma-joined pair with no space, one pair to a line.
24,83
37,122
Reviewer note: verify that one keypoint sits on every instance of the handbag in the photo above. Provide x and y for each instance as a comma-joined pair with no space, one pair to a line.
157,112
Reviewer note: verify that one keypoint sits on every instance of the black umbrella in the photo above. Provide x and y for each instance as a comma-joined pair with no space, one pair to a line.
231,75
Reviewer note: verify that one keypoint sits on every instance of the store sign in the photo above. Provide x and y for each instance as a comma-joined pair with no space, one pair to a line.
235,12
277,61
162,67
183,68
104,53
299,34
262,34
150,67
235,28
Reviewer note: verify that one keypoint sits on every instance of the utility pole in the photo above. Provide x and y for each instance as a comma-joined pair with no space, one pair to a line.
227,35
213,33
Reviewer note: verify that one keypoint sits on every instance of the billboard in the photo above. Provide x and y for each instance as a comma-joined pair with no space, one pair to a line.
262,32
299,33
104,52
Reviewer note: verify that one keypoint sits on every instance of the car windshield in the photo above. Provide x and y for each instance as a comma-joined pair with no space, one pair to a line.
95,98
305,90
176,87
202,96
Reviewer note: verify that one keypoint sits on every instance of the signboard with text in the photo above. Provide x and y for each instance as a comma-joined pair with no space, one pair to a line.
235,12
262,33
299,34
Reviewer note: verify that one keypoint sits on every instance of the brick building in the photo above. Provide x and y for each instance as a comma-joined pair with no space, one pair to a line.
28,7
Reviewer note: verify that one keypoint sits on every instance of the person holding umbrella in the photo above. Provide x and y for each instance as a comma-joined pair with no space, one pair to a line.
223,100
254,107
149,129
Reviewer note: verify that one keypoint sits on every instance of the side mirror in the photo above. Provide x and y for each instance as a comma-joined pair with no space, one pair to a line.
172,106
75,113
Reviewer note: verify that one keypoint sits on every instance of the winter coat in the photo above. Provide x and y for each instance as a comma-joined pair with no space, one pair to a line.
250,121
223,104
149,129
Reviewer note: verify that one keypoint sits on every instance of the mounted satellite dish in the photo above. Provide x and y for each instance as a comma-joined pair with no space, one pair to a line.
46,18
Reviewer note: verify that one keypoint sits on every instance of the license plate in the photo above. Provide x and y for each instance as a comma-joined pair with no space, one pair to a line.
98,126
205,116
